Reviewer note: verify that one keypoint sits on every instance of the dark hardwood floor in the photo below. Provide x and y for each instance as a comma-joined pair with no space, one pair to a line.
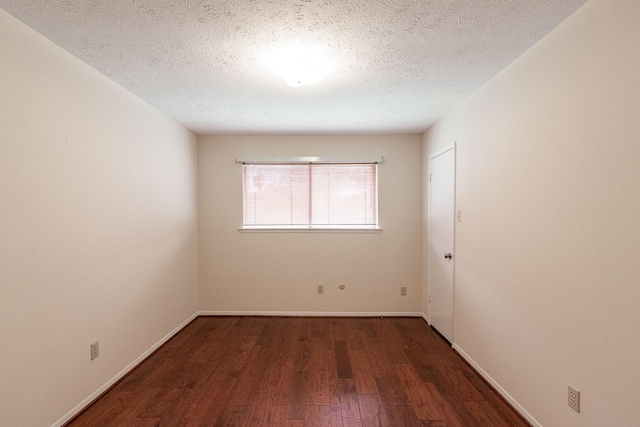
294,372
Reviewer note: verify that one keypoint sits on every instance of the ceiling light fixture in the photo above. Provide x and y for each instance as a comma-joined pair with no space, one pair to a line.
297,67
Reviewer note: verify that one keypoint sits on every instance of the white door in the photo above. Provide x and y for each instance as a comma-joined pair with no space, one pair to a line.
441,228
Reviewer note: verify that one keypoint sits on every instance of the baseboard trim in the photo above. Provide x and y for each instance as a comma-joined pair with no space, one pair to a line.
311,313
86,402
527,416
426,318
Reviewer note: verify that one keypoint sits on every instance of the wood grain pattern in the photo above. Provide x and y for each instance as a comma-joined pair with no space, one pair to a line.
297,372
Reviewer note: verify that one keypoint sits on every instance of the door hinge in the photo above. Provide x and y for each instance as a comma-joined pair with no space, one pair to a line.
429,177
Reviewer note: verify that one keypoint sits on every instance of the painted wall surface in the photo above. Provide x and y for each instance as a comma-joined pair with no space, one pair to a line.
547,288
279,272
98,229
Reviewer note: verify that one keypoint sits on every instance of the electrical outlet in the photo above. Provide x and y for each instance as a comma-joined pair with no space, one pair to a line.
403,291
320,289
574,399
95,350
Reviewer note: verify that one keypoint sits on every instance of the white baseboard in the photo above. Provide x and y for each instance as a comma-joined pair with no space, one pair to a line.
497,386
310,313
121,374
425,317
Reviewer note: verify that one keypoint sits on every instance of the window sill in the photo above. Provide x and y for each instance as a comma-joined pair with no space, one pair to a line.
357,230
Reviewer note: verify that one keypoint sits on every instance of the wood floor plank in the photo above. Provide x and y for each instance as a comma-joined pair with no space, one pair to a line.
268,395
214,403
379,361
486,415
317,416
128,412
250,377
393,344
399,415
407,416
339,332
202,353
235,416
174,374
144,422
220,329
241,352
284,387
349,405
429,373
367,325
362,374
296,372
252,326
104,409
336,415
181,414
335,397
372,411
161,403
355,335
142,372
298,393
343,364
436,423
494,399
463,388
318,391
420,397
277,415
391,388
456,412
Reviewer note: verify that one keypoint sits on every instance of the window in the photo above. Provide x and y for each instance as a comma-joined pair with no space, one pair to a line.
310,195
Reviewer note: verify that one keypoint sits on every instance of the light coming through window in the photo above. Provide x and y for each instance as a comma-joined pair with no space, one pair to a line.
310,195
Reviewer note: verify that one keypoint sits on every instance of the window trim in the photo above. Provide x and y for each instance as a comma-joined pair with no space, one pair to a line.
314,229
320,160
364,229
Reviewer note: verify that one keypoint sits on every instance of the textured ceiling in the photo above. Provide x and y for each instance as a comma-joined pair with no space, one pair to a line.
398,65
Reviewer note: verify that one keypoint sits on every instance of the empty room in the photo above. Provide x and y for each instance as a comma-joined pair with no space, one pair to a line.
296,213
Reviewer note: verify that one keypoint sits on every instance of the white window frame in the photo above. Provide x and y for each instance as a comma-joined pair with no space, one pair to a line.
315,228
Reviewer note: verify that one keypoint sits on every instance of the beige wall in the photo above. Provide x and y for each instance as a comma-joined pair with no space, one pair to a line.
279,272
98,231
547,285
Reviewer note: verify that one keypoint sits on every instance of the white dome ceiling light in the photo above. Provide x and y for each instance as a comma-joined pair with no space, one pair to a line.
298,66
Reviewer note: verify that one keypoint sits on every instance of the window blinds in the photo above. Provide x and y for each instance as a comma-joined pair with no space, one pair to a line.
310,195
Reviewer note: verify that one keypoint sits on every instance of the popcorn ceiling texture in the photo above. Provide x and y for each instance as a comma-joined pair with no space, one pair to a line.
400,64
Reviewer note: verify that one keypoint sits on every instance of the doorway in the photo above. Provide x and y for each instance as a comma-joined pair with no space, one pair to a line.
442,172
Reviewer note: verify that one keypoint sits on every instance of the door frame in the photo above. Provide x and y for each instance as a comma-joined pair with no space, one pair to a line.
452,146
